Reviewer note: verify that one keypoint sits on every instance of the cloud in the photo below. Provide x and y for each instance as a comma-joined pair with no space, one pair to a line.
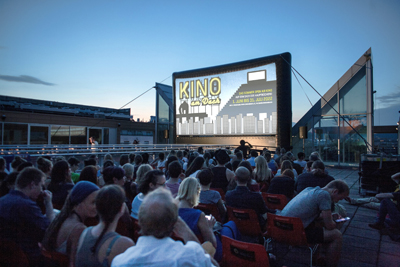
389,99
387,116
2,47
23,79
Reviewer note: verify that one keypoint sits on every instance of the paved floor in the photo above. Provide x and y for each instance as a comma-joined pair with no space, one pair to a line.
362,245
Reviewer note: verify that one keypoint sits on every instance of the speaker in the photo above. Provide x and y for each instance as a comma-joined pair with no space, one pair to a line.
166,134
303,132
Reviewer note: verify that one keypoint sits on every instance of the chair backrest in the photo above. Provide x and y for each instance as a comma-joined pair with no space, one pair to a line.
60,260
287,230
136,229
12,255
237,253
209,209
246,221
275,201
221,192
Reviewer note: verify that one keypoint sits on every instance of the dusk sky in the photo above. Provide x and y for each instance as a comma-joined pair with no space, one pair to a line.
106,53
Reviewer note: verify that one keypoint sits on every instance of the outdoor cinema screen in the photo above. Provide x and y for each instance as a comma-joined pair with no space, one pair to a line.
239,102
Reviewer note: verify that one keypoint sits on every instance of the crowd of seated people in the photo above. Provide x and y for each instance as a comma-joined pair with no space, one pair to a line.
56,213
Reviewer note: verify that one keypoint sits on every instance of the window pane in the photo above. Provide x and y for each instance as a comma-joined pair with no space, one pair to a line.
351,144
163,110
327,110
15,134
78,135
39,135
326,138
96,134
106,136
59,135
353,96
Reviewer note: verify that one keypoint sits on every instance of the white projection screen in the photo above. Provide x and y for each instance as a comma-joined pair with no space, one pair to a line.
239,99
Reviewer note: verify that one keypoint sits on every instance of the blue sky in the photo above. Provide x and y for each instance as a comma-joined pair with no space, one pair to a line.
105,53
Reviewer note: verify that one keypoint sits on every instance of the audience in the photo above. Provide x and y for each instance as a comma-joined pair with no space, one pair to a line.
208,196
175,172
251,160
242,197
188,196
123,159
74,165
98,245
223,177
89,173
60,183
21,219
283,184
195,167
300,159
262,174
151,181
252,184
64,231
158,219
312,205
317,177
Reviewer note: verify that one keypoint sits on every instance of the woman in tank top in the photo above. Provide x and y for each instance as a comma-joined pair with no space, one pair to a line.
67,227
99,245
222,175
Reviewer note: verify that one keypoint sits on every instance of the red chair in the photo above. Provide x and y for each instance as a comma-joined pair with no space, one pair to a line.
136,229
275,201
289,231
209,209
237,253
61,260
221,192
12,255
246,221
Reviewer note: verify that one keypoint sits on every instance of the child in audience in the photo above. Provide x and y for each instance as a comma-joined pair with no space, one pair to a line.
208,196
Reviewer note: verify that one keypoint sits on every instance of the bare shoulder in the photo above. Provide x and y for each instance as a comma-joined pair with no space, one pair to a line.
123,240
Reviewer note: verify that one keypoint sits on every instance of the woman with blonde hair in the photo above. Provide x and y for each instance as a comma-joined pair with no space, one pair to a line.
262,174
188,196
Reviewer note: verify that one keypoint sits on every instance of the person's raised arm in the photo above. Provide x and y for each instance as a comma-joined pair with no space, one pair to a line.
206,228
47,196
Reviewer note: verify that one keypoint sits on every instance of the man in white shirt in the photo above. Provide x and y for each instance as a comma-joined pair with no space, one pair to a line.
158,218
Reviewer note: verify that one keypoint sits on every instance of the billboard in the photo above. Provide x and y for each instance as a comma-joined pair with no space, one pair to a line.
239,99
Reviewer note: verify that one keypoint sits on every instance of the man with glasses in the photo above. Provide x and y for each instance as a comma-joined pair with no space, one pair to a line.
151,181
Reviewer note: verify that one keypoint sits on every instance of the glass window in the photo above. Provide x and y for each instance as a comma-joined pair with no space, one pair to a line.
1,133
96,134
39,135
106,137
59,135
351,144
353,96
78,135
15,134
327,110
163,110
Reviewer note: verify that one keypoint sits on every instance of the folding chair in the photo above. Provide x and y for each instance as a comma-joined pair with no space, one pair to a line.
12,255
275,201
136,229
237,253
210,209
221,192
61,260
289,231
246,221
